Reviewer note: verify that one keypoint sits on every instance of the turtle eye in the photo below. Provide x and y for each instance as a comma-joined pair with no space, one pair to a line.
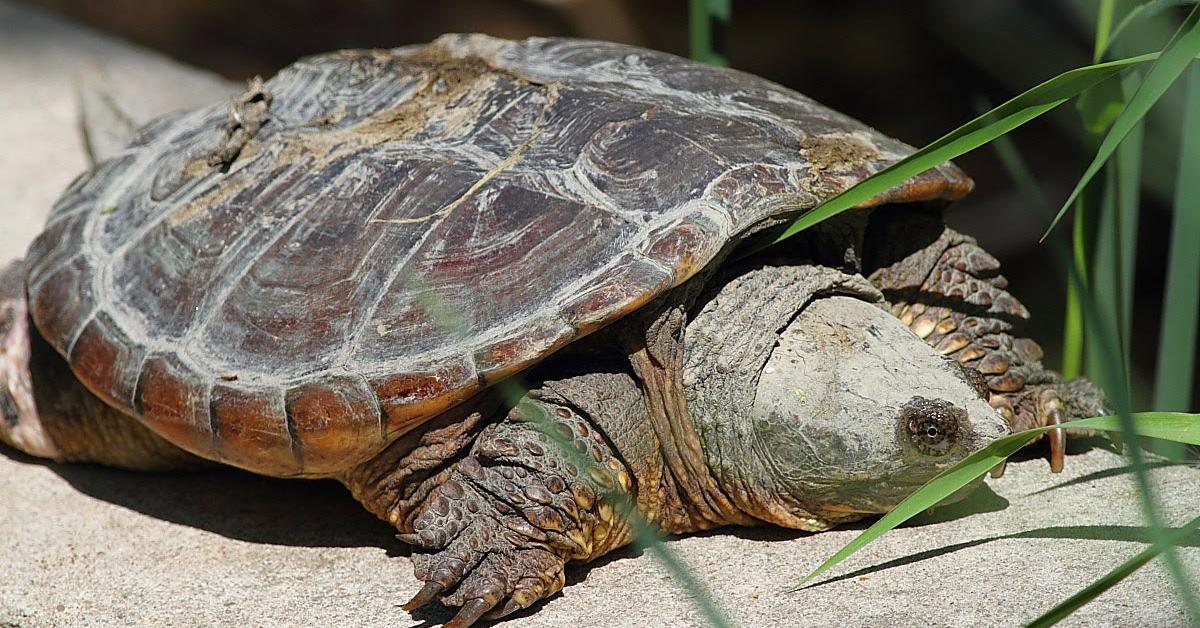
933,426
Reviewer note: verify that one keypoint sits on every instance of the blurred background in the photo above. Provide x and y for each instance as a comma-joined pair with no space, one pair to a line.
914,70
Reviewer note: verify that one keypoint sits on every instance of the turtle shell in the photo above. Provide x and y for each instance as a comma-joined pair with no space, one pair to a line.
409,226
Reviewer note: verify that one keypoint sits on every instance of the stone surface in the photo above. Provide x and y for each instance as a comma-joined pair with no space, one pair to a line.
85,545
47,67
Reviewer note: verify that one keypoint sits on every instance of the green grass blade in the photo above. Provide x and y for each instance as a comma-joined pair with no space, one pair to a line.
1173,426
708,23
1129,189
1141,11
1181,300
1106,582
1104,20
1072,360
1105,284
969,136
1179,52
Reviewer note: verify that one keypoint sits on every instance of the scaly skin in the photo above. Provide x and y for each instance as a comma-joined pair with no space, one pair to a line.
950,292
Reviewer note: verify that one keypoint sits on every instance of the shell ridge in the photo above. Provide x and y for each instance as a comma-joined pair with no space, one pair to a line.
134,175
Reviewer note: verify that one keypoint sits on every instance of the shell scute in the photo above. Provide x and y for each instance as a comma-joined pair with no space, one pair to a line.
103,349
423,390
339,416
626,285
59,304
252,428
173,400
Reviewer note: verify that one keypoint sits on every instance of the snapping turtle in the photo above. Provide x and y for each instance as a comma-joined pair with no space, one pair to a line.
346,272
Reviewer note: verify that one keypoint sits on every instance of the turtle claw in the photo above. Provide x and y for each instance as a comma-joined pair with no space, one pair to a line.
998,470
470,613
510,607
426,595
1058,446
1050,412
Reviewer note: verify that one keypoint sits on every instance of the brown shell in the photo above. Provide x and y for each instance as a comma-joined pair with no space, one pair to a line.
412,225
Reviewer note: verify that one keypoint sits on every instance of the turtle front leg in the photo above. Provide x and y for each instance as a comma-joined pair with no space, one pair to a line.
495,518
951,294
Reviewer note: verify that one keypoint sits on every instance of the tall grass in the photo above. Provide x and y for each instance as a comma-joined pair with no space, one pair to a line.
1104,232
1181,299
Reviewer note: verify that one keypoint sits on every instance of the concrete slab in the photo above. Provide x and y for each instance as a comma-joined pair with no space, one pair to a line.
44,63
84,545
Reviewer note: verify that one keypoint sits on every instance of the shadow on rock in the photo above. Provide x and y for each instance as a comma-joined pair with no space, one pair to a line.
1108,473
982,499
234,504
1133,534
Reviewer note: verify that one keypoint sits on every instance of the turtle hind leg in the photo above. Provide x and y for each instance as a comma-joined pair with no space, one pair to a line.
45,412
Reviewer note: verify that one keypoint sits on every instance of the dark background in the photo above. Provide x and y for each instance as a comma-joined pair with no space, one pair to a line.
912,69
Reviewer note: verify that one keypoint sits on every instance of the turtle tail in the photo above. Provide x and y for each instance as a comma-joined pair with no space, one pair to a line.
19,423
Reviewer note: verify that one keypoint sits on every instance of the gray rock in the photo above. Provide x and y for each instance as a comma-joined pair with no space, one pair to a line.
53,73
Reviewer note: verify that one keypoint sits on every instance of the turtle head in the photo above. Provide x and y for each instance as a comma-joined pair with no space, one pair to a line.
853,412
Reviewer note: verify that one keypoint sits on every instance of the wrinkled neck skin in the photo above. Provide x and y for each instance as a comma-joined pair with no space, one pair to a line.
733,331
815,406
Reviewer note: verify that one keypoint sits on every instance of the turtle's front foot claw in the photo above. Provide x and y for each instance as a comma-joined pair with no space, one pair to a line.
1050,412
482,553
1036,408
498,585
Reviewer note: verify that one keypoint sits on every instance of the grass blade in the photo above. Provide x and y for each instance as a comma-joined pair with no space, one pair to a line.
1072,360
1181,300
1173,426
708,23
1141,11
1104,283
1179,52
973,134
1104,21
1106,582
1129,187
